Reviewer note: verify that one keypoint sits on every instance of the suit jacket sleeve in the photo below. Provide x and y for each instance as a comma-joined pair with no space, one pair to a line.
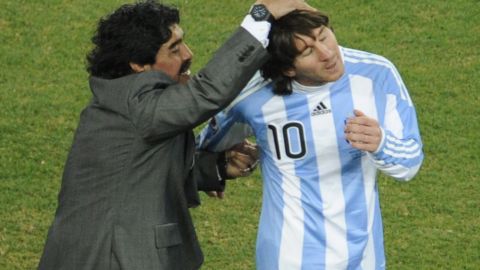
168,109
205,176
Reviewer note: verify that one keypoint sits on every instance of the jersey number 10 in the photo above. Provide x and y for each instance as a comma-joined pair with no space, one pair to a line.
288,131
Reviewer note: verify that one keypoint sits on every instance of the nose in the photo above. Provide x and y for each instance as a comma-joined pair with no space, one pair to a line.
186,52
323,51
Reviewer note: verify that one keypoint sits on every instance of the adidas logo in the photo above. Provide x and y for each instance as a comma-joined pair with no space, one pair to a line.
321,109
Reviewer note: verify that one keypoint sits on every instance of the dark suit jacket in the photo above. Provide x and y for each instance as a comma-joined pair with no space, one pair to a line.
131,174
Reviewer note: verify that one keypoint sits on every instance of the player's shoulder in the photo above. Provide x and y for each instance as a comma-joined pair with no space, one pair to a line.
256,84
355,56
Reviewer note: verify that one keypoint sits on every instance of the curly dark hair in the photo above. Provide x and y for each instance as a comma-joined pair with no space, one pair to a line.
282,46
131,34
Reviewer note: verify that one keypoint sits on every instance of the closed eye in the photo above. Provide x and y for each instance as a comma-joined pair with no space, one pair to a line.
307,51
175,49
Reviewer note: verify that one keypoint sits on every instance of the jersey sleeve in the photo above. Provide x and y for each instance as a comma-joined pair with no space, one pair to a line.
228,127
222,132
400,153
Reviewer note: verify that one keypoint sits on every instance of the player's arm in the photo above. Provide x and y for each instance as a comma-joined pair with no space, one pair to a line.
222,132
224,137
228,127
223,141
399,153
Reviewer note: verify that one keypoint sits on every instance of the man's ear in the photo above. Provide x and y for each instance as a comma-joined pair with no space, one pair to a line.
290,73
139,68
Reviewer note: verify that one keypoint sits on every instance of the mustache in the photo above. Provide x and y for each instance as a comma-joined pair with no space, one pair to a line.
185,67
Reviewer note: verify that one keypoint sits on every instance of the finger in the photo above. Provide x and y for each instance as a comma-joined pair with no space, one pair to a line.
251,149
234,153
242,144
358,113
246,148
247,141
362,120
254,165
363,141
243,170
239,158
234,171
361,129
361,138
251,165
363,146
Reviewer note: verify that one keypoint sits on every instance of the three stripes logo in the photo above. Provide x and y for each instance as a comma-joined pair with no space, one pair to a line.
321,109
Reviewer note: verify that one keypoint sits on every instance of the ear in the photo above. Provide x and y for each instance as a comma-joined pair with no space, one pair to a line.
290,73
139,68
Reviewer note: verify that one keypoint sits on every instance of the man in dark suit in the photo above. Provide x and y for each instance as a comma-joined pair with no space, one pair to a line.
133,171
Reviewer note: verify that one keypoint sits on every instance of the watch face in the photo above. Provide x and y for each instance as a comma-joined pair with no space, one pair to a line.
259,12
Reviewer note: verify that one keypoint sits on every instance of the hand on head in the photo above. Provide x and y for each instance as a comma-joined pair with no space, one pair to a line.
279,8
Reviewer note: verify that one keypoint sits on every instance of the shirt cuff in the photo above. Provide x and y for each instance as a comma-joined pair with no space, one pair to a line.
382,142
258,29
222,167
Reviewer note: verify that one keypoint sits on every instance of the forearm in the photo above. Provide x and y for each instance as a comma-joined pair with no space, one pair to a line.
399,158
222,133
209,171
227,73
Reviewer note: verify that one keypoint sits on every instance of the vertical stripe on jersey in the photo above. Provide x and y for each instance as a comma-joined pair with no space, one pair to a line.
377,232
394,122
364,100
297,106
330,183
352,177
291,242
271,217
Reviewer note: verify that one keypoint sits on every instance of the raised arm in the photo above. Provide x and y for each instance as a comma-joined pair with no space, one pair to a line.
169,109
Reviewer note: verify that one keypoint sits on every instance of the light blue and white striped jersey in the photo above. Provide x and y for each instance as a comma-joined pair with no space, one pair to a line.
320,206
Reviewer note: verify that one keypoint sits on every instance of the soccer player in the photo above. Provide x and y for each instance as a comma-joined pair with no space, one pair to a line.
326,119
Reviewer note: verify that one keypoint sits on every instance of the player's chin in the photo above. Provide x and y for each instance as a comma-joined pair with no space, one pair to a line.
334,74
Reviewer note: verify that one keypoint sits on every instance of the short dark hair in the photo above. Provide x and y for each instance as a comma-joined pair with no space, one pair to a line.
282,46
131,34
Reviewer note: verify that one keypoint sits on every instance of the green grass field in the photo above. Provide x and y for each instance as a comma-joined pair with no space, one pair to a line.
432,222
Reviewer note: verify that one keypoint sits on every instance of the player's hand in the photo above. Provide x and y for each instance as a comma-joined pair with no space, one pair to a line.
363,132
279,8
242,159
